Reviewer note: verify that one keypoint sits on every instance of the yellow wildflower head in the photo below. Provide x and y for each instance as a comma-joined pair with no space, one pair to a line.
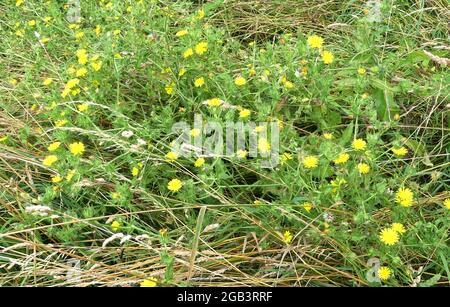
49,160
363,168
384,273
315,41
53,146
244,113
389,236
307,206
171,156
149,283
77,148
187,53
201,48
175,185
135,171
404,197
399,152
199,82
342,158
310,161
287,237
115,226
359,144
57,179
263,145
214,102
399,228
47,81
181,33
240,81
199,162
328,136
447,203
327,57
83,107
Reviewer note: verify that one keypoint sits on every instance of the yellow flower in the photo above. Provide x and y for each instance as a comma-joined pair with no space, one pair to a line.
404,197
149,283
83,107
20,33
97,65
117,32
32,23
181,72
19,2
199,82
60,123
79,35
315,41
240,81
169,88
399,228
181,33
310,162
171,156
214,102
308,207
73,26
82,56
70,175
135,171
286,157
195,132
201,48
81,72
342,158
389,236
242,154
288,84
363,168
361,71
327,57
199,162
187,53
115,225
263,145
47,81
384,273
200,14
98,30
115,195
359,144
287,237
328,136
53,146
447,203
72,83
77,148
174,185
49,160
399,152
244,113
57,179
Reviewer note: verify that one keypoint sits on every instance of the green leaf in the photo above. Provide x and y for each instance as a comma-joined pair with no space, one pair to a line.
347,135
430,282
